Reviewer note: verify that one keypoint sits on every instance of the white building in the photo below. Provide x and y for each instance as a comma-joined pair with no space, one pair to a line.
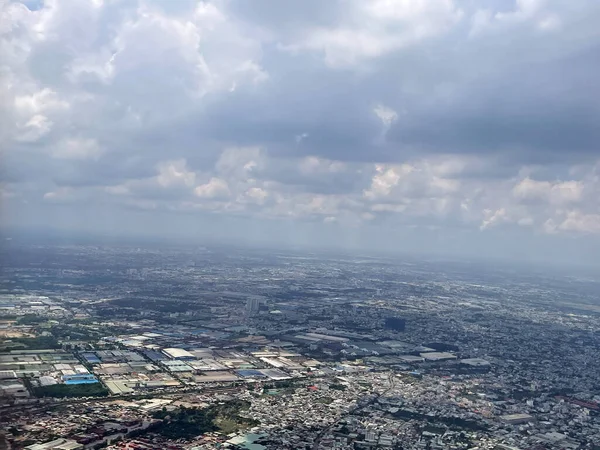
178,353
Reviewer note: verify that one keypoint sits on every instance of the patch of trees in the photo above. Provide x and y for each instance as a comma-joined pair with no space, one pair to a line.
30,319
187,423
71,390
452,422
34,343
395,323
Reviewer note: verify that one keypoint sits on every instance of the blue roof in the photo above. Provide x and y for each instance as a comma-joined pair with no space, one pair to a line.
250,373
91,357
154,356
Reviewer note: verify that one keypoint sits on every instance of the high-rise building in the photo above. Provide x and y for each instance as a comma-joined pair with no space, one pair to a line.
252,305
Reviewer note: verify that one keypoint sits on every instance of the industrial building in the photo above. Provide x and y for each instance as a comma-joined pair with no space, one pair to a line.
178,354
515,419
58,444
13,388
475,362
79,378
437,356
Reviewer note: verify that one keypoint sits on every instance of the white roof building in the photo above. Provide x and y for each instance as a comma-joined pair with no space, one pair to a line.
178,353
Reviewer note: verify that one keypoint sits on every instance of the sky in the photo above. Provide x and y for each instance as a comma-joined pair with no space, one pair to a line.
455,127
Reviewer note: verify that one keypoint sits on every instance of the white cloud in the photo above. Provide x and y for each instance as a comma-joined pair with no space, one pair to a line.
100,65
38,102
77,149
315,165
385,179
536,14
60,194
215,188
256,195
419,190
174,173
557,193
241,162
38,126
492,218
300,137
387,116
577,221
413,179
33,112
377,27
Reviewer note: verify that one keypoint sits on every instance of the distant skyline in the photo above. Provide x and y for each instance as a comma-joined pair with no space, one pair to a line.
447,127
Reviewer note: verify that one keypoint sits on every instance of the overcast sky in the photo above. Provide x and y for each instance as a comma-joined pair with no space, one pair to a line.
454,126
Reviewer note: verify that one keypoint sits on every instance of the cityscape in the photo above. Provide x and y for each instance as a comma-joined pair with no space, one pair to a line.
300,224
126,347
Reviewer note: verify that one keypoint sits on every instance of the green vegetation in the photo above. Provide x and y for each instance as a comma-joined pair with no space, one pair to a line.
31,319
29,343
337,387
71,390
280,384
75,332
186,423
8,317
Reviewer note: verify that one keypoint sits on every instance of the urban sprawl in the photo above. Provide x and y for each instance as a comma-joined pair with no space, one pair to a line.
126,347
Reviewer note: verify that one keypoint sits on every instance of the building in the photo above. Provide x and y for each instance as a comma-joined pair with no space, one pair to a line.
58,444
79,378
47,381
437,356
516,419
7,374
178,354
370,436
13,388
475,362
252,305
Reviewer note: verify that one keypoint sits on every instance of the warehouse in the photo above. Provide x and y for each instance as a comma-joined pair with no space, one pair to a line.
179,354
516,419
437,356
475,362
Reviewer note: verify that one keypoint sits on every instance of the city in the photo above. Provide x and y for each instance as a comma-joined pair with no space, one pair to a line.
200,348
300,224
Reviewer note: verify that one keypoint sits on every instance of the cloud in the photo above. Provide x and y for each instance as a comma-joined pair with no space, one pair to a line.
372,29
389,114
300,137
313,165
172,173
33,112
492,218
77,148
577,221
59,195
557,193
215,188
